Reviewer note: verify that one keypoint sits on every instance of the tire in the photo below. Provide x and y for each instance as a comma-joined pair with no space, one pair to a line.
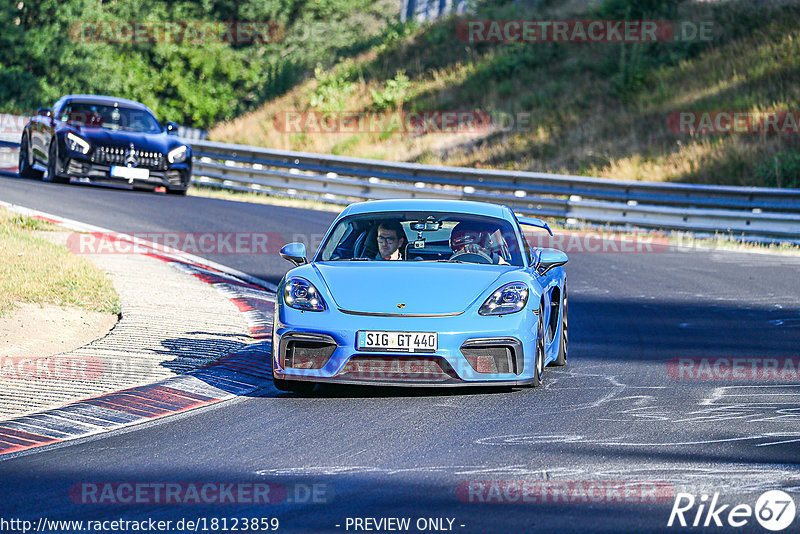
538,361
52,165
563,344
26,169
293,386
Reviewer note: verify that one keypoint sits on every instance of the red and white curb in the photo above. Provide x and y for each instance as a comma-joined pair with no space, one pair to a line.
239,373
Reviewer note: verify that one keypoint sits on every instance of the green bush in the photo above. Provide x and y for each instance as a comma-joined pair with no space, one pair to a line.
196,85
333,89
780,170
391,97
637,9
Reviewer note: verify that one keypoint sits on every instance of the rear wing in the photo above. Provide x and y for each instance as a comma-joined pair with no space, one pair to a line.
533,221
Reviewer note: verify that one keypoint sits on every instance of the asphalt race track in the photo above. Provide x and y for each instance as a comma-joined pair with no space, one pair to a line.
618,418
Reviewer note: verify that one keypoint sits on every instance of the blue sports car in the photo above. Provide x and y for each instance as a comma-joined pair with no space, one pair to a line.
421,293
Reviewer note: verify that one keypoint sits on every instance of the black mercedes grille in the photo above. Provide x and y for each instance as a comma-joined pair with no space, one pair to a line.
114,155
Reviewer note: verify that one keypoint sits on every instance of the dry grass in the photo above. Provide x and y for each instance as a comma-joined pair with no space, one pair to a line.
35,270
581,124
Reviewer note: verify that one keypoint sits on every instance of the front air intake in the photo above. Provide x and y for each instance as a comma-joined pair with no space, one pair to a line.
493,355
306,351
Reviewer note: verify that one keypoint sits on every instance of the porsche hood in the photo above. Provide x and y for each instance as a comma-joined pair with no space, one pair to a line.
403,289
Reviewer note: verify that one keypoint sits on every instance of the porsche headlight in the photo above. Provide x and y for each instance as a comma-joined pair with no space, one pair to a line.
178,155
510,298
77,143
300,294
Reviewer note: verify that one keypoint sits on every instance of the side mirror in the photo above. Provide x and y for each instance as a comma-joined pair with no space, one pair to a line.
172,128
536,258
548,258
295,253
44,112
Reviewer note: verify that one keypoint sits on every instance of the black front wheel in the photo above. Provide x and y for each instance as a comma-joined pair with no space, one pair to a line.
53,165
564,343
25,165
538,372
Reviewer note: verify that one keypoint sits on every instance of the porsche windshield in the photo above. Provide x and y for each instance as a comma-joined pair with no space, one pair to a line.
95,115
412,236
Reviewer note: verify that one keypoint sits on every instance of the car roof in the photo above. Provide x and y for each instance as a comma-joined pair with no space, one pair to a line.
425,204
102,99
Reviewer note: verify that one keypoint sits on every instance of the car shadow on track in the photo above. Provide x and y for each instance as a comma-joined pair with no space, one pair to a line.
336,391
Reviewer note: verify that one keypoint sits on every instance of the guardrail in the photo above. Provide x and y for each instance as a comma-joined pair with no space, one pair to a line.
749,211
741,211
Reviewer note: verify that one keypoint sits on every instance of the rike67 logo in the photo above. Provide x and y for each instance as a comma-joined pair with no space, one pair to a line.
774,510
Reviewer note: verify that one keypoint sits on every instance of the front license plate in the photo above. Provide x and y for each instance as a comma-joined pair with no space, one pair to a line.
371,340
132,173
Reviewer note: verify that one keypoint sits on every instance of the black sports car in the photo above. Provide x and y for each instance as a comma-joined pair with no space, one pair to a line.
105,139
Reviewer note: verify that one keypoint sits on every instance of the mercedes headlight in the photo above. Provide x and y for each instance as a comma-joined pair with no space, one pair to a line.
510,298
300,294
77,143
178,155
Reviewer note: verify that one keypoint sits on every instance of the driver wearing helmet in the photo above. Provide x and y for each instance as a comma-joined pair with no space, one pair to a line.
474,237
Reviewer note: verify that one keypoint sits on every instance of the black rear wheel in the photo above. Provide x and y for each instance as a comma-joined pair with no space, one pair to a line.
25,164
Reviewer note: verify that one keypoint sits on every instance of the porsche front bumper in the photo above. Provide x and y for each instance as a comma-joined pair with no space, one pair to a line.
472,349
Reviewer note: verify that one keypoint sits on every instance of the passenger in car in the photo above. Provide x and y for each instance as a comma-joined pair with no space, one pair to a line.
391,240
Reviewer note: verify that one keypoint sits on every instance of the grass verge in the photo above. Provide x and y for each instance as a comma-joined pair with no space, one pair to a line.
35,270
